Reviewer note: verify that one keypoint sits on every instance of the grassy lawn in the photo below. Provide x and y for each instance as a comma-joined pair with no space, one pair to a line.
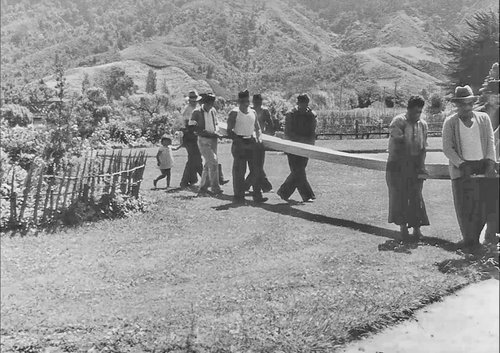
196,274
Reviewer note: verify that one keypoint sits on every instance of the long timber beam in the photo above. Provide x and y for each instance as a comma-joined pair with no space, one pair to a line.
435,171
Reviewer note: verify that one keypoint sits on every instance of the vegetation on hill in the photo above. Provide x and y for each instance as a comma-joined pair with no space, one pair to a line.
280,45
473,53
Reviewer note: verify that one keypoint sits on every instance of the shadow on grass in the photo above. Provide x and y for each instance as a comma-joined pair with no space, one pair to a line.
480,265
393,244
285,209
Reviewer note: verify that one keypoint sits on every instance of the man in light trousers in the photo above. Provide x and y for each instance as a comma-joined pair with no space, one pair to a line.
206,124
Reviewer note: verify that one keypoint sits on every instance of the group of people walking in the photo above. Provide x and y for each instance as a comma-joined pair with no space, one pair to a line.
245,125
468,142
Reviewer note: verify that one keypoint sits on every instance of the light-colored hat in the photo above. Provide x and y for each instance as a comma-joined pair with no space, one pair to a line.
463,94
193,96
166,137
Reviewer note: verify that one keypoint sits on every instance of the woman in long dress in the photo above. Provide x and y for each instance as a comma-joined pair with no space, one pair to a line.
407,152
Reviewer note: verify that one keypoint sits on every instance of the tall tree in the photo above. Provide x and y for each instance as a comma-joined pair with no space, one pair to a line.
116,83
151,82
473,52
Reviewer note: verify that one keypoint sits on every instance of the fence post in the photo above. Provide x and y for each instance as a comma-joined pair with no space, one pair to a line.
75,185
48,194
13,199
37,195
27,187
356,128
67,187
60,188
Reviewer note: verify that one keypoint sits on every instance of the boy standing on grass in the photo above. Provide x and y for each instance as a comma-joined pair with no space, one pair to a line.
165,160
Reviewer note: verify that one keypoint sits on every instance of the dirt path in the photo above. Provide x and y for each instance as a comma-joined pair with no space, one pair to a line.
467,321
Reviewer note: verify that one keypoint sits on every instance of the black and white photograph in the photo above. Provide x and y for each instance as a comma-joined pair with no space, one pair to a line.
282,176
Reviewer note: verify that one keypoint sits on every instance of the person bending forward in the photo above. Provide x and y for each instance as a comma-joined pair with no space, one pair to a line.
407,151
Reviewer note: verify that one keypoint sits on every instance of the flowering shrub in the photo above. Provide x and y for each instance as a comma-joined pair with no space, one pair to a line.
15,115
107,207
158,126
123,132
22,144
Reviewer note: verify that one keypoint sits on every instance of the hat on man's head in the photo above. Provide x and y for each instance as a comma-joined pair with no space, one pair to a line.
166,137
207,98
244,94
463,94
303,98
193,96
257,98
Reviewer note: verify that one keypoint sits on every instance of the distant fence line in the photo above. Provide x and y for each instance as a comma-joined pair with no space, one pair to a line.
365,131
42,195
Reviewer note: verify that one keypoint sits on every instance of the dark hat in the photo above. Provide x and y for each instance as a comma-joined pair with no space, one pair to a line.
303,98
207,98
193,96
463,94
257,97
244,94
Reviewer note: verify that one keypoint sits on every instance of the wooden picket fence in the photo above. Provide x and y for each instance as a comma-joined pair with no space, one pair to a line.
44,194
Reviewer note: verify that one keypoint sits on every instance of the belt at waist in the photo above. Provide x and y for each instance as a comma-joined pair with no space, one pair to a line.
244,137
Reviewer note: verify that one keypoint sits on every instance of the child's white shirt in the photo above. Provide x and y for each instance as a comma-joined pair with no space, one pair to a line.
165,157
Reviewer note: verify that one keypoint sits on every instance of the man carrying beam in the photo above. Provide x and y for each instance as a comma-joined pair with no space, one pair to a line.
243,128
206,126
267,127
300,126
469,144
407,151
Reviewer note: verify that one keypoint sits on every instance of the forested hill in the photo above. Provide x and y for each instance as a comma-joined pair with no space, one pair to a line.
284,45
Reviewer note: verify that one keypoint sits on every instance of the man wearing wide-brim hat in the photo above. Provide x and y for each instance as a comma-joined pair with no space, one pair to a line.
194,165
470,147
204,118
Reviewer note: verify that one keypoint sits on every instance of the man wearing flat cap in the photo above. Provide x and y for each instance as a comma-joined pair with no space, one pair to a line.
470,147
206,126
243,128
267,127
300,126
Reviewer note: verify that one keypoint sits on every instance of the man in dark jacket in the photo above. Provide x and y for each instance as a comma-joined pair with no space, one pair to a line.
300,126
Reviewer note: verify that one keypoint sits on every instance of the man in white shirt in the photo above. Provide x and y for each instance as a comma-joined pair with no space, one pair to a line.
469,145
206,127
244,129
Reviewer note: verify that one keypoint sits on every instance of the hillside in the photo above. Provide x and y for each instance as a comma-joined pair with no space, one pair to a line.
283,45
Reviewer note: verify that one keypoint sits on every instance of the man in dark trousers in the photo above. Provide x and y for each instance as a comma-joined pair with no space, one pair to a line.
243,128
300,126
267,127
194,165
